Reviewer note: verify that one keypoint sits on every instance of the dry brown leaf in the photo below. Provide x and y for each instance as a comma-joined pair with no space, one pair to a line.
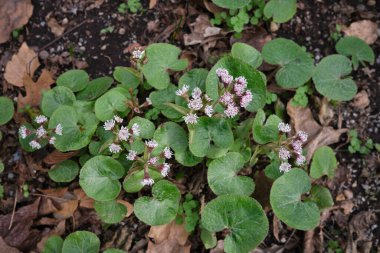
66,209
326,113
58,230
170,237
25,62
360,232
152,3
361,100
4,247
219,248
54,26
364,29
128,205
47,207
57,156
13,14
211,7
65,202
200,30
34,89
84,200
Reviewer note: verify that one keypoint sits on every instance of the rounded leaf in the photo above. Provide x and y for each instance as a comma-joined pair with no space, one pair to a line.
132,182
167,95
222,176
53,244
268,132
160,209
321,196
247,54
242,216
296,64
55,97
64,171
7,110
99,178
285,198
324,163
95,88
280,10
146,127
128,77
357,49
110,211
114,251
109,104
75,80
330,78
80,242
231,4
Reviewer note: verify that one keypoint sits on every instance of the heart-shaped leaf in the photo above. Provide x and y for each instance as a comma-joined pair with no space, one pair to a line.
128,77
25,142
110,211
208,239
324,163
80,242
7,110
330,78
162,58
222,178
231,4
146,127
296,65
242,216
160,209
280,10
53,244
95,88
78,128
237,68
161,97
64,171
75,80
263,134
99,178
287,204
321,196
247,54
112,102
52,99
132,182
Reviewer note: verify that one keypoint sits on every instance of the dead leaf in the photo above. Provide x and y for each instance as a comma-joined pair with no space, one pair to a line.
361,100
54,26
170,237
128,205
346,206
65,202
363,29
211,7
152,3
360,232
13,14
6,248
200,30
84,200
58,230
326,113
66,209
46,207
219,248
57,156
34,89
25,62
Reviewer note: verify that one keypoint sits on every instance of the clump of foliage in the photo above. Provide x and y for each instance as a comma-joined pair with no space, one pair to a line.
357,146
132,6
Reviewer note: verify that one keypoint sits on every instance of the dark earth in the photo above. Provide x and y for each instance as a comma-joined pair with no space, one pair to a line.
355,187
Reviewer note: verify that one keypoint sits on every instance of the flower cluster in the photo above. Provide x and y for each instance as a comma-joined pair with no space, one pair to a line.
234,93
41,132
292,148
138,54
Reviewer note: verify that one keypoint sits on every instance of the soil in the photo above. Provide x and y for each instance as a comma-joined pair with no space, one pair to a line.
83,45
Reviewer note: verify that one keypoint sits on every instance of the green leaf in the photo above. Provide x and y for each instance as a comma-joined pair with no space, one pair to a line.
296,65
285,198
64,171
222,176
99,178
247,54
162,58
162,207
77,128
194,78
272,170
111,103
321,196
237,68
95,88
281,10
330,78
146,127
7,110
210,133
75,80
128,77
110,211
231,4
81,242
132,182
242,216
263,134
25,142
357,49
208,238
324,163
53,244
161,97
52,99
114,251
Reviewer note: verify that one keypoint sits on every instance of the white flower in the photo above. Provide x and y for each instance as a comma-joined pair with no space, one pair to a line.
240,85
285,167
197,93
136,129
285,128
109,125
246,99
40,132
118,119
183,91
209,110
148,101
58,129
297,147
34,144
227,79
221,71
40,119
23,131
226,98
302,136
300,160
165,169
114,148
208,99
231,111
195,104
283,153
153,160
138,54
131,155
52,140
151,143
147,181
191,118
123,134
168,153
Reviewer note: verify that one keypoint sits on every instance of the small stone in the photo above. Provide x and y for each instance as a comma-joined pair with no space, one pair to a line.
65,21
11,176
348,194
44,54
121,31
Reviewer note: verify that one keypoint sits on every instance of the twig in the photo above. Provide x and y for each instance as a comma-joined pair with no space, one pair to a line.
287,241
14,211
47,196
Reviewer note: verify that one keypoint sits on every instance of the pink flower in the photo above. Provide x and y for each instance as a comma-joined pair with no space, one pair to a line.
297,147
153,160
114,148
285,128
226,98
191,118
240,85
40,119
109,125
300,160
231,111
197,93
168,153
285,167
182,91
34,144
136,129
209,110
246,99
283,153
147,181
131,155
302,136
118,119
165,169
123,134
195,104
23,131
151,144
58,129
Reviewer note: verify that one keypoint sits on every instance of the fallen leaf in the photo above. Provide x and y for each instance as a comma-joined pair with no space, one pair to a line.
13,14
47,207
219,248
346,206
200,30
54,26
57,156
360,232
6,248
361,100
326,113
22,64
84,200
34,89
66,209
152,3
128,205
363,29
58,230
211,7
65,202
170,237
